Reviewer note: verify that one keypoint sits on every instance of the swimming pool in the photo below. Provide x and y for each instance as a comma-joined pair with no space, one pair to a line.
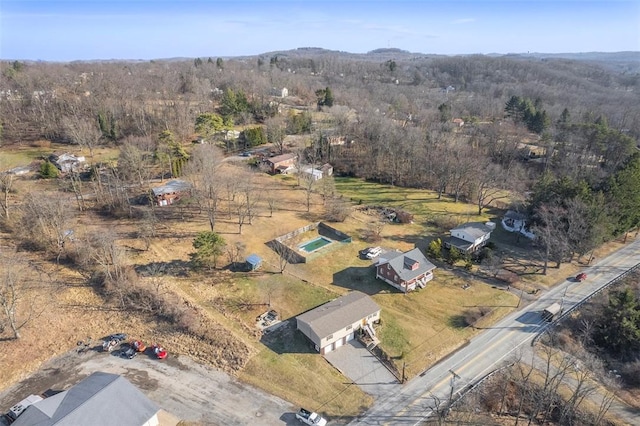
315,244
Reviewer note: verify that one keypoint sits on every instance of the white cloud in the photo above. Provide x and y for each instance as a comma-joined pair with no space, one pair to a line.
464,21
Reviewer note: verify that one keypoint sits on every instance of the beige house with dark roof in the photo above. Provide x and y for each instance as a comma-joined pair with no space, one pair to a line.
335,323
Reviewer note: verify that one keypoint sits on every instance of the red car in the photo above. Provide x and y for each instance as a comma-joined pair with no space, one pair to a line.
159,352
138,345
581,277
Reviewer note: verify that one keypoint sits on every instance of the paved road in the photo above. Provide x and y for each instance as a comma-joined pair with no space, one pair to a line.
488,350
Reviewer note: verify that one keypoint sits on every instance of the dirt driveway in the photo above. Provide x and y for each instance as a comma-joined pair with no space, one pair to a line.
188,390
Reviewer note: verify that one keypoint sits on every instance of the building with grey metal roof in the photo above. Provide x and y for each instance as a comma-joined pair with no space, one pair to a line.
101,399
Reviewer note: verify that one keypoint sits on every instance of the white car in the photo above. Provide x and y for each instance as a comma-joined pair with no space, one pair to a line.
373,252
310,418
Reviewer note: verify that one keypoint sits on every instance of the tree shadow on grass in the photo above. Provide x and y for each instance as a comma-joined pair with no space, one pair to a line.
457,321
287,339
174,268
362,279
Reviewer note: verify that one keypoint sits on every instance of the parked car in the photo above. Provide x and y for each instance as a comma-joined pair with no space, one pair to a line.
159,351
310,418
373,252
581,277
138,345
128,352
113,340
119,337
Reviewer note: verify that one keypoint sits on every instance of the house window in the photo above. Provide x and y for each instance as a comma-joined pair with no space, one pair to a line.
395,278
329,337
349,327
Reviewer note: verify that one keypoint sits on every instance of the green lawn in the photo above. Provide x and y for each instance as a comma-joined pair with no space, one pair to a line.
422,203
23,157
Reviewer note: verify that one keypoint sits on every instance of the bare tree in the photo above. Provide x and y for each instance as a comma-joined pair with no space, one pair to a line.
272,201
285,254
19,302
490,184
109,260
235,252
82,131
135,164
204,174
307,180
246,200
147,228
337,209
275,128
551,233
6,185
46,221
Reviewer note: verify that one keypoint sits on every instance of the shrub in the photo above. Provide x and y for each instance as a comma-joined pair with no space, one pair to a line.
435,249
454,256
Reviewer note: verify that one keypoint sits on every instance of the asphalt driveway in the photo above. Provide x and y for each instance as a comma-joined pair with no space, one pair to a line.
355,362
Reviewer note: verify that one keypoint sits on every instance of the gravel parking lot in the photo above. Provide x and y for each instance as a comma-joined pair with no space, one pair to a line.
185,389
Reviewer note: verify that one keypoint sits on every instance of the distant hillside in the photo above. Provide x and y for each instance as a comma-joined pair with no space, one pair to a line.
625,62
618,61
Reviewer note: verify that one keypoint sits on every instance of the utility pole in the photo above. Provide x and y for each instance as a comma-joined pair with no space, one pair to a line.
562,300
454,376
520,297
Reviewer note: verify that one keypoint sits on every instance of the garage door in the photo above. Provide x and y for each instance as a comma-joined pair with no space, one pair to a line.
338,343
350,336
328,348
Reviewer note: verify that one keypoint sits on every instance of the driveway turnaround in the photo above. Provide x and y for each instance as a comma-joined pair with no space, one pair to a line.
354,361
187,390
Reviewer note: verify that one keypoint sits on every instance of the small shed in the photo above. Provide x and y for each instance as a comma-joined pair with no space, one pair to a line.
253,262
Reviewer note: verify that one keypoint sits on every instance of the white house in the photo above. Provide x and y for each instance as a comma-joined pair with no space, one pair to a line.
318,173
335,323
282,93
516,222
67,162
470,236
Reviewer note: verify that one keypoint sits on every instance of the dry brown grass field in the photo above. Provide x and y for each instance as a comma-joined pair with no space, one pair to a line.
417,329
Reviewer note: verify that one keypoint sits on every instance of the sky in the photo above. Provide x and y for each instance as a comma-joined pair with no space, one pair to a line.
54,30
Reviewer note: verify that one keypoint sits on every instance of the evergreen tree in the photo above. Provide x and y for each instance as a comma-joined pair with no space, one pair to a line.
512,108
254,136
624,195
208,124
48,170
328,97
618,331
209,246
445,112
